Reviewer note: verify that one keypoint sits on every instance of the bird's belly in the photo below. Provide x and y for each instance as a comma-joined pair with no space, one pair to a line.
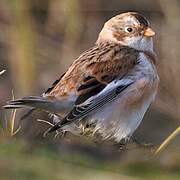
121,118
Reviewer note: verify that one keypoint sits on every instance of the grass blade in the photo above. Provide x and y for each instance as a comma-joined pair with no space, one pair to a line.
168,140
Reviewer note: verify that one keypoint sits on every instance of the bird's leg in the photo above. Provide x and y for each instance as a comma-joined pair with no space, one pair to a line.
61,134
121,145
141,144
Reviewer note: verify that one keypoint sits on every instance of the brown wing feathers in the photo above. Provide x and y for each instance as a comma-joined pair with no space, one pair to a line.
53,85
96,67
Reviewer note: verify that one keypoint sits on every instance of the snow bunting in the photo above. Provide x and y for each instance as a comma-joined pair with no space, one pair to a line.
109,87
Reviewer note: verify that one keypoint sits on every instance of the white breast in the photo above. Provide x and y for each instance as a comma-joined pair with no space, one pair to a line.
119,119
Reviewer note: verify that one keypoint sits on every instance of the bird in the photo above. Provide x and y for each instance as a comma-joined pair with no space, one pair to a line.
109,87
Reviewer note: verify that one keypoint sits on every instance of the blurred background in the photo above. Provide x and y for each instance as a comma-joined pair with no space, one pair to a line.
39,39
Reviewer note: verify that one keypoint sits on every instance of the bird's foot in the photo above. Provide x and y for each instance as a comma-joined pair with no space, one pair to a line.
142,144
60,134
122,145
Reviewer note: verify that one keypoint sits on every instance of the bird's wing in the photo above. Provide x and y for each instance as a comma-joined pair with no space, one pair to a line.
94,103
99,65
97,77
53,85
86,79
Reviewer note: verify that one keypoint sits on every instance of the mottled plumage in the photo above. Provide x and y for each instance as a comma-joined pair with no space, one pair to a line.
103,63
109,87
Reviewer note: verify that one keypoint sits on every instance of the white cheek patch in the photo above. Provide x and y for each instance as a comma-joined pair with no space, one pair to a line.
139,43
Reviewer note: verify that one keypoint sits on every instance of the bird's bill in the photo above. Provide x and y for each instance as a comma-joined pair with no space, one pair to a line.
149,32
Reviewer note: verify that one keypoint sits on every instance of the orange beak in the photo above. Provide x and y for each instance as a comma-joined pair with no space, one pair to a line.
149,32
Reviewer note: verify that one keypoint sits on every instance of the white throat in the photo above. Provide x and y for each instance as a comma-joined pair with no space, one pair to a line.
139,43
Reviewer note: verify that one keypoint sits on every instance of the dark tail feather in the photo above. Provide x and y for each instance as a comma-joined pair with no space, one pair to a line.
26,101
31,101
36,102
12,106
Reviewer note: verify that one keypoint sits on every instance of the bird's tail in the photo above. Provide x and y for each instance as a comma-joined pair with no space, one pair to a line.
36,102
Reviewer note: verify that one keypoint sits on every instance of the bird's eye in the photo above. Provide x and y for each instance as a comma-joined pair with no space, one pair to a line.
128,29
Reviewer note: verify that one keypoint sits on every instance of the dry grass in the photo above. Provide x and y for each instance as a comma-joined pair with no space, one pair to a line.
10,130
168,140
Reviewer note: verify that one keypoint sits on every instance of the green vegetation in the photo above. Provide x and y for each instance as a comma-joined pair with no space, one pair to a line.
19,160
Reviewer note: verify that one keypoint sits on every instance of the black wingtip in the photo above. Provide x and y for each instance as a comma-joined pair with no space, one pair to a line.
52,129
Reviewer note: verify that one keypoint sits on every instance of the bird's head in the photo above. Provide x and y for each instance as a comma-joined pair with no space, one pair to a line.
130,29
